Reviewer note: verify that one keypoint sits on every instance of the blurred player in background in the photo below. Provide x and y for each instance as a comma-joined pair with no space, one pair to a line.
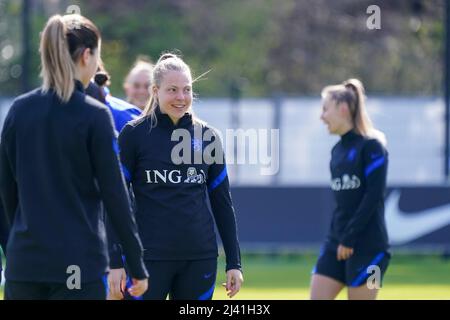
58,163
137,83
172,212
357,242
122,111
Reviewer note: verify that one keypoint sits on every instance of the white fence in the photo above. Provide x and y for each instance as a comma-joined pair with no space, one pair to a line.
414,128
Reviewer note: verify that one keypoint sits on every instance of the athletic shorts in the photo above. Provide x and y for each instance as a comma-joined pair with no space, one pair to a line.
356,271
179,280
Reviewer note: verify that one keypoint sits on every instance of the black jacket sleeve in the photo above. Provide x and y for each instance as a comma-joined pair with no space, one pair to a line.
4,230
114,247
376,162
8,184
105,158
222,206
126,164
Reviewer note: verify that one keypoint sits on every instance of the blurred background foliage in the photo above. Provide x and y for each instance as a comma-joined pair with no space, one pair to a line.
292,47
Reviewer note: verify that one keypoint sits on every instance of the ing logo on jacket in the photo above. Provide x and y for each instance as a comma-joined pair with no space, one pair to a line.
345,183
193,177
175,176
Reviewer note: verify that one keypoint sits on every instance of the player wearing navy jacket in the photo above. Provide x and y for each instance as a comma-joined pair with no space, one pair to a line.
172,190
59,162
357,244
122,111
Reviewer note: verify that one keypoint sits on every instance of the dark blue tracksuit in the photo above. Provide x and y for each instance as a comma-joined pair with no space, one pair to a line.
358,171
174,220
59,162
4,231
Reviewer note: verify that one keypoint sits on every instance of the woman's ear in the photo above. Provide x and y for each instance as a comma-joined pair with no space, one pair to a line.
343,109
86,56
155,91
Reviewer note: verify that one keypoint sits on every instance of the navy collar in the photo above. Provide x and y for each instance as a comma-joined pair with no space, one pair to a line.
164,119
79,86
350,136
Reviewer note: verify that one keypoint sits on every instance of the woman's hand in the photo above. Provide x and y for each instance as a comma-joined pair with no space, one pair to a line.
117,280
343,252
234,282
139,287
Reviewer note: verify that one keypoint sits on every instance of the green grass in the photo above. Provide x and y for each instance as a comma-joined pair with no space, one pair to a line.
408,277
287,277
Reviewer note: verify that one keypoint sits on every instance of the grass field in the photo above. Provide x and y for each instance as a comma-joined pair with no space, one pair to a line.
287,278
408,277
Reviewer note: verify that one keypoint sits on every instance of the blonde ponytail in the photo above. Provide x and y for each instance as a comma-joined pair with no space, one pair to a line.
352,93
63,41
361,119
58,69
